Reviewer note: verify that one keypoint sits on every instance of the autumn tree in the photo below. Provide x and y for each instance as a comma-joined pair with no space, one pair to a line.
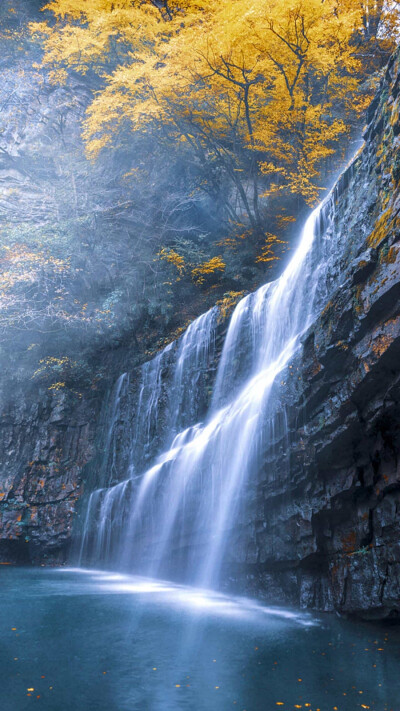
208,127
261,92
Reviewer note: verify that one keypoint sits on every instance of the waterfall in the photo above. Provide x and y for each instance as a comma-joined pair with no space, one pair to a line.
109,463
147,426
196,350
176,519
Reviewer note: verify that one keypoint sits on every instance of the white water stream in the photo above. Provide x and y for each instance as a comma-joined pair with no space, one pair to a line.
178,516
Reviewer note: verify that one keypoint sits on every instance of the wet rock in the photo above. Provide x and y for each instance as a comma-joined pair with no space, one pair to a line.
363,266
44,447
343,415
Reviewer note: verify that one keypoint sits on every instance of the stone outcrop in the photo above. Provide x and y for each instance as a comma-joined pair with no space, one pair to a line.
44,447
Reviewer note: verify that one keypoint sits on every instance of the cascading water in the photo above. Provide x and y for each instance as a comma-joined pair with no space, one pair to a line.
147,421
109,463
196,350
155,422
177,518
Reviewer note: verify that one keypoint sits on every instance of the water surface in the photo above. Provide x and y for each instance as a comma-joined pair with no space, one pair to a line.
87,640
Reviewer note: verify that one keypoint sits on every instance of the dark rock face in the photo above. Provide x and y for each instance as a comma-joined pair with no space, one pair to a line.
322,526
44,447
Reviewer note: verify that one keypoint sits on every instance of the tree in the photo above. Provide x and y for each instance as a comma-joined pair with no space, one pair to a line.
258,85
209,126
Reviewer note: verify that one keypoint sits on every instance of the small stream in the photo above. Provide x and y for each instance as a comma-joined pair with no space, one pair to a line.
165,647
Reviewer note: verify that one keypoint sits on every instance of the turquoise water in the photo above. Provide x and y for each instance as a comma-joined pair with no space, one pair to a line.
84,640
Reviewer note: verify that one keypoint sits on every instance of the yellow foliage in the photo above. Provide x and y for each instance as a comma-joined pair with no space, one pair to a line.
268,253
21,267
171,256
52,364
199,274
284,77
56,386
385,223
228,303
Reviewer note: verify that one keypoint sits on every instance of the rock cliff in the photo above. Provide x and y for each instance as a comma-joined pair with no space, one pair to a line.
44,446
325,523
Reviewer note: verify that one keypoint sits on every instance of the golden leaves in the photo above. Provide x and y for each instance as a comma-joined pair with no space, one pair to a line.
22,267
171,256
215,264
56,386
226,306
268,253
269,79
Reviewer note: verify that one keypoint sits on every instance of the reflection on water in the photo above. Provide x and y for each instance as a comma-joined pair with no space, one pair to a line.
186,598
86,640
